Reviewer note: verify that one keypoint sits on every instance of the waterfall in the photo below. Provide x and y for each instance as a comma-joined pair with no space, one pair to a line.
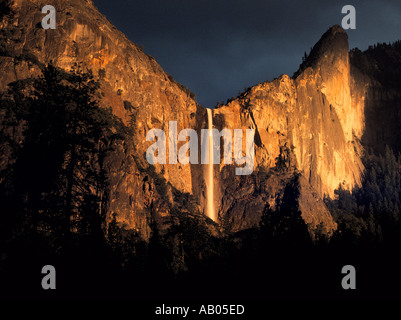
209,181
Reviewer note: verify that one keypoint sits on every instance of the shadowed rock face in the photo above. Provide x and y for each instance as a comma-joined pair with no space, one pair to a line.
377,72
315,119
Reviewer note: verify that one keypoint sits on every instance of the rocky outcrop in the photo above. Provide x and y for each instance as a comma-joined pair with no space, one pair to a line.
313,121
316,117
312,113
133,84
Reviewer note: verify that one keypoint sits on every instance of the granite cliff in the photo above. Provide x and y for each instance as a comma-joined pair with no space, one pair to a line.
132,82
308,126
315,118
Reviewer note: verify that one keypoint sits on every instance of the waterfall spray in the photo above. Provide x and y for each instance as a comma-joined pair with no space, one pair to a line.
210,183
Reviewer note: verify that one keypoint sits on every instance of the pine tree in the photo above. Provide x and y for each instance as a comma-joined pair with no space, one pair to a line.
59,175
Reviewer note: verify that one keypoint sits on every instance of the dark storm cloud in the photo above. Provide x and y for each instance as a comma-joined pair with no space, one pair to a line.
217,48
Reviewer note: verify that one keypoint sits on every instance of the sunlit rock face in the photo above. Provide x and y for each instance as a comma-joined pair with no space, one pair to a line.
133,84
337,159
314,114
318,115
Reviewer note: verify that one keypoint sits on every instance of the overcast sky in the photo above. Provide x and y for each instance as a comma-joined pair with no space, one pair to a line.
218,47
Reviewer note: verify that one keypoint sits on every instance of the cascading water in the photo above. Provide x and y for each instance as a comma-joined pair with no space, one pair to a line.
209,181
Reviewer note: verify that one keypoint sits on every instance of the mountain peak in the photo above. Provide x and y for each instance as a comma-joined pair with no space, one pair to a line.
333,42
332,36
335,30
